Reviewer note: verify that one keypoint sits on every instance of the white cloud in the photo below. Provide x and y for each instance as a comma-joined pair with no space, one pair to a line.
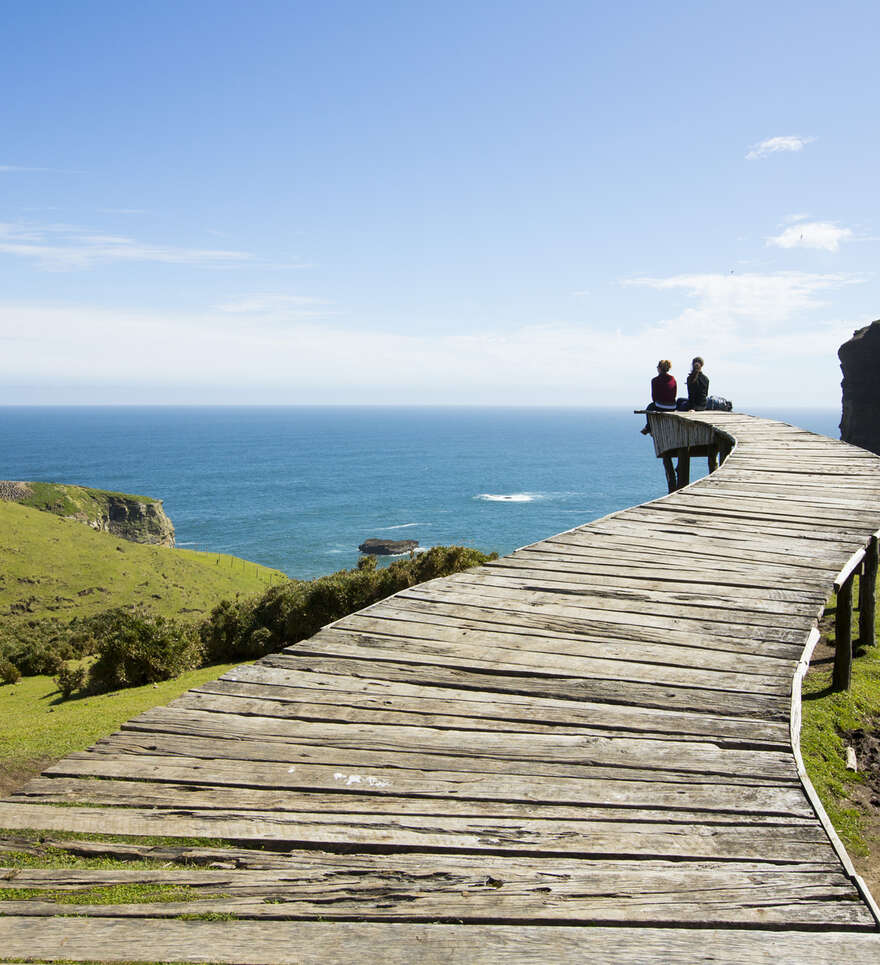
775,144
748,302
758,334
64,247
811,234
270,307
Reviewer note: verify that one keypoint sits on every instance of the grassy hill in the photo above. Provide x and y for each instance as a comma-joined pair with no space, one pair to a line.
58,568
140,519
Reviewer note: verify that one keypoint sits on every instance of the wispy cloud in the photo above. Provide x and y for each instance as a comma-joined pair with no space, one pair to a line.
62,247
774,145
812,234
745,303
271,307
748,327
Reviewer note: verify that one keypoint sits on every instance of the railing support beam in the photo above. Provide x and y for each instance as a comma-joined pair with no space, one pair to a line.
683,468
671,479
867,598
843,636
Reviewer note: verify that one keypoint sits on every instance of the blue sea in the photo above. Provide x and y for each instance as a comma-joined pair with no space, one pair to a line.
298,488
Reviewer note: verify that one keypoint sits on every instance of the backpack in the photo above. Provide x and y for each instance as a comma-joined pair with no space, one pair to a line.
719,403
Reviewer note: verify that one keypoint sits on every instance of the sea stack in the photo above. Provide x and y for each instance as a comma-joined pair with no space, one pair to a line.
388,547
860,363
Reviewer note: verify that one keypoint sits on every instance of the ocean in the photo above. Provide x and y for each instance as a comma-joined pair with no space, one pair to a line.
298,488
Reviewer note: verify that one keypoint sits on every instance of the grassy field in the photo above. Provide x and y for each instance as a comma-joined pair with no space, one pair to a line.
38,727
53,567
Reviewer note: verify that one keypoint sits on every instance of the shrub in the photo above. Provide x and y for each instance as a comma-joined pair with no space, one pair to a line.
293,611
9,673
70,678
136,648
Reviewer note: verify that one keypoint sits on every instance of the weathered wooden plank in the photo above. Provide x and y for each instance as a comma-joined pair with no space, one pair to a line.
587,838
786,644
676,573
488,897
129,793
340,641
656,591
723,543
279,686
670,790
633,612
705,756
601,756
623,692
398,943
386,622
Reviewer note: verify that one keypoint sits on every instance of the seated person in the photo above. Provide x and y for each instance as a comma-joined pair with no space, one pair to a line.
697,386
663,389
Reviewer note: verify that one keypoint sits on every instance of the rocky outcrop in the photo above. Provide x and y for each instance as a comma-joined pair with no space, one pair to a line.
388,547
860,363
140,522
139,519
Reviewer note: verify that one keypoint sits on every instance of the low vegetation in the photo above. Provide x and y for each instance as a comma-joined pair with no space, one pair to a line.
293,611
57,577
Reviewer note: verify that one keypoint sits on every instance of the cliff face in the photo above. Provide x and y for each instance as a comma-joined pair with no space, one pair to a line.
139,519
860,363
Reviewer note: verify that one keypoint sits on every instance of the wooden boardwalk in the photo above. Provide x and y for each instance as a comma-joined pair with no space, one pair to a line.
581,752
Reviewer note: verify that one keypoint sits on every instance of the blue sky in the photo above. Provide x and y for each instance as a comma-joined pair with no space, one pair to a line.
486,203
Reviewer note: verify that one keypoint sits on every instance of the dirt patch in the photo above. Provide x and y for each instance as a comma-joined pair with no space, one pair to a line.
15,774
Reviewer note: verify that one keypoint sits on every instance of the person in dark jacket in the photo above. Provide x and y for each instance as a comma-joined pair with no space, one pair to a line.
663,390
697,385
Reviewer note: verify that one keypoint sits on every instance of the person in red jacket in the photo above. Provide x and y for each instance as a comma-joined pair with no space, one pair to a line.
663,391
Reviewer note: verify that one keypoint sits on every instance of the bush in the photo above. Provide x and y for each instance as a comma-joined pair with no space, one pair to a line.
70,678
136,648
9,673
287,613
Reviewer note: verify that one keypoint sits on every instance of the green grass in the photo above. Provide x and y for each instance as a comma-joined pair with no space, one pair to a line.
39,726
826,717
54,567
118,894
70,500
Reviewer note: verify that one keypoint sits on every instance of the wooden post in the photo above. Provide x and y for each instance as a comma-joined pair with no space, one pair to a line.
867,599
713,457
671,480
843,634
683,468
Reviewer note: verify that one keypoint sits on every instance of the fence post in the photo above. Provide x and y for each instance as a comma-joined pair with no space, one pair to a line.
867,599
843,636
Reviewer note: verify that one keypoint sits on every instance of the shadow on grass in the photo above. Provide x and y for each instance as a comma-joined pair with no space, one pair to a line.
819,694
